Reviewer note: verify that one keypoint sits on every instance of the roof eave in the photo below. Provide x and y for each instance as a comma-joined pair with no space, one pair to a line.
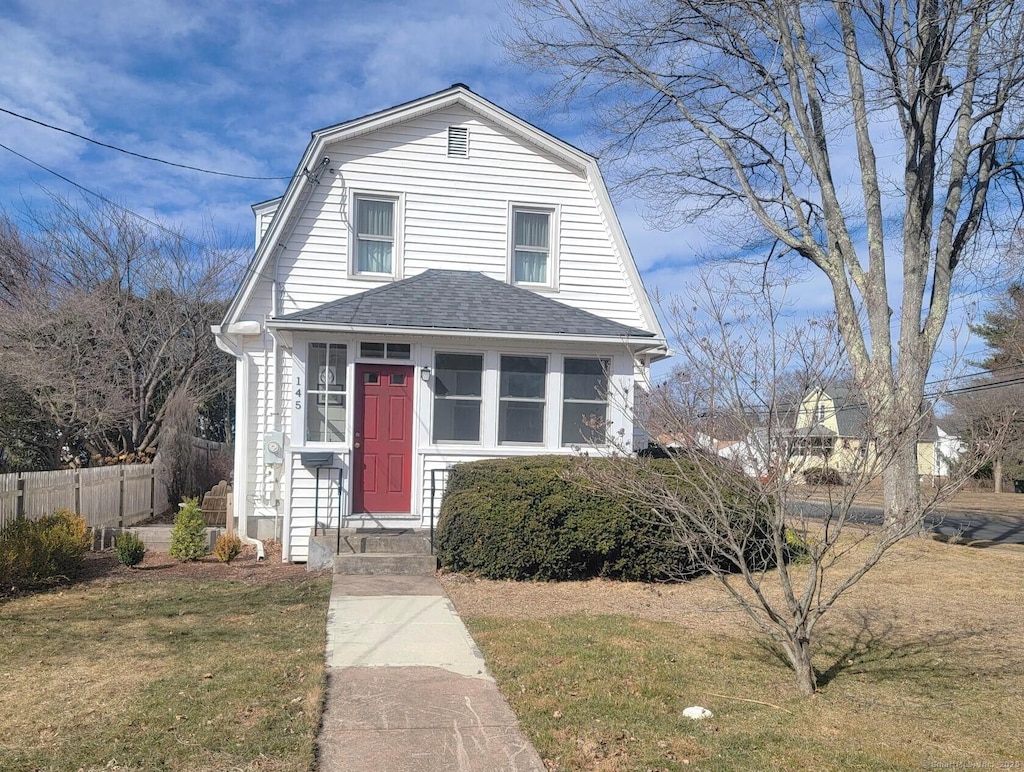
653,344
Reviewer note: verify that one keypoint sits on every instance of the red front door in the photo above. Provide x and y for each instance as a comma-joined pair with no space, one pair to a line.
382,461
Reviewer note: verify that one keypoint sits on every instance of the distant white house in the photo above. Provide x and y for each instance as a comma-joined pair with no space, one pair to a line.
440,282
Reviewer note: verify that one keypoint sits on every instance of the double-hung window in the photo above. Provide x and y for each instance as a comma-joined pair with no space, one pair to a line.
585,401
325,394
375,235
531,246
458,394
521,399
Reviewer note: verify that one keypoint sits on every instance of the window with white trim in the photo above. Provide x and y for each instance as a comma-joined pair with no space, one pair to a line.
374,251
585,401
325,392
374,350
531,245
521,399
458,396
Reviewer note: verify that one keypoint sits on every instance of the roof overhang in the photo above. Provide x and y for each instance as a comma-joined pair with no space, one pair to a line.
643,345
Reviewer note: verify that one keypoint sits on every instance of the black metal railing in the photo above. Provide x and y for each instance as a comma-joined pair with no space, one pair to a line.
435,475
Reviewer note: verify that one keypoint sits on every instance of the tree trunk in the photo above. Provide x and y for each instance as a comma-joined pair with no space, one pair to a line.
799,653
997,474
900,484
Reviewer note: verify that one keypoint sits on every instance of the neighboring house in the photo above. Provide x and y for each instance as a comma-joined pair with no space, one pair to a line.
832,431
441,282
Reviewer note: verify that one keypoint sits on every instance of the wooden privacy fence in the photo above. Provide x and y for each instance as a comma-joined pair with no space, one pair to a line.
106,496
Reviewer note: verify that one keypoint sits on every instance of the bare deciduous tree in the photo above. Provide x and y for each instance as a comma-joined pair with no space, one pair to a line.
867,137
744,508
115,321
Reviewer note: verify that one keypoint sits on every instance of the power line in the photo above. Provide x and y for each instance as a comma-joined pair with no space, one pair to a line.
132,153
246,266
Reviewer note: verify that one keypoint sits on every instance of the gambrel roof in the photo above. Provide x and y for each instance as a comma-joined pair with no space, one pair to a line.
445,300
317,158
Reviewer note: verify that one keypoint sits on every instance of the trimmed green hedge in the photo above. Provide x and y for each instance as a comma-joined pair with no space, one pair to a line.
524,518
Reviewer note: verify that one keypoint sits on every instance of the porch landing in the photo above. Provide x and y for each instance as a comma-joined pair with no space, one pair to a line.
373,551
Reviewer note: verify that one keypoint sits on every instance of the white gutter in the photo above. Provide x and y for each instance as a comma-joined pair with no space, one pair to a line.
227,341
651,344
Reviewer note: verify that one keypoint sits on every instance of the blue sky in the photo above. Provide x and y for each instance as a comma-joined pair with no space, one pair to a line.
239,87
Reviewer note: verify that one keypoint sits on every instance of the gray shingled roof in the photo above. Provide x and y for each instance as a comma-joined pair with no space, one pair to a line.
851,412
462,300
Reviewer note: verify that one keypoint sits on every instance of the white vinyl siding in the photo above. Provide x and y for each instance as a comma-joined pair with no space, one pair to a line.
452,216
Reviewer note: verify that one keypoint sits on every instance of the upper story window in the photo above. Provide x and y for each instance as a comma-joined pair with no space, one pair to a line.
521,399
531,246
325,393
375,219
585,401
819,413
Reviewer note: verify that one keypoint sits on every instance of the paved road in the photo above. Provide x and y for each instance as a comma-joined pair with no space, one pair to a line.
967,525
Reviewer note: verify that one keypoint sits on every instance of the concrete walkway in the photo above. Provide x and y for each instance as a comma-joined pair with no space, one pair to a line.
407,690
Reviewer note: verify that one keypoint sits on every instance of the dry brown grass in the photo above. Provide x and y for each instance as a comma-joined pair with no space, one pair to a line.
198,667
919,665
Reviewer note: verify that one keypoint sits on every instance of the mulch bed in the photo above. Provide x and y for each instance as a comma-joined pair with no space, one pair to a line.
159,566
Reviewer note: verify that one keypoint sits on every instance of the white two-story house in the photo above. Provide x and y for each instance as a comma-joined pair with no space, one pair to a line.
441,282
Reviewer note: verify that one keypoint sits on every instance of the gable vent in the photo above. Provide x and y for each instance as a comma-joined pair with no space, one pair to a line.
458,141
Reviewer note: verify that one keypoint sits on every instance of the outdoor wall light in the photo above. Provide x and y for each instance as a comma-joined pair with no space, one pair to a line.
425,374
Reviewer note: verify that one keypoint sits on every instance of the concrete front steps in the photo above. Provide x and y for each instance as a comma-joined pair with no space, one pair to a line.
373,552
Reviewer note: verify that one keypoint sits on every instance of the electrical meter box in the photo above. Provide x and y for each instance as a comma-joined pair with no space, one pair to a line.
273,448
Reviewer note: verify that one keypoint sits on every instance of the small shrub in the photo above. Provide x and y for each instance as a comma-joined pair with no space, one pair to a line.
524,518
188,537
34,551
823,476
227,548
129,548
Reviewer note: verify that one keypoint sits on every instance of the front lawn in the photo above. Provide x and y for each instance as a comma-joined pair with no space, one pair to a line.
920,667
159,669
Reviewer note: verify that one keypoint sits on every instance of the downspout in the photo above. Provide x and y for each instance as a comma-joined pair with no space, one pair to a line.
275,397
313,177
228,343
